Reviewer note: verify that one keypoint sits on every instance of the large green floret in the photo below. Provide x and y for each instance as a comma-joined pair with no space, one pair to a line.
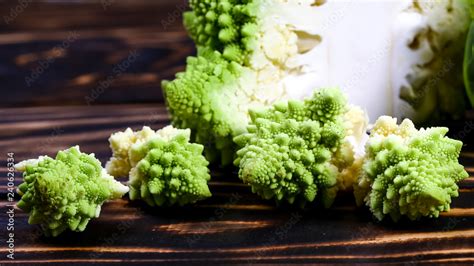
409,172
65,192
227,26
204,99
293,150
165,168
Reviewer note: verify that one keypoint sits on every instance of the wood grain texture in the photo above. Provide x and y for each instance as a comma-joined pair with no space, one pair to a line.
234,226
84,47
70,51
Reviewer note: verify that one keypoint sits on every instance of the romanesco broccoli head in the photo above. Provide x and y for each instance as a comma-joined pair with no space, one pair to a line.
165,169
250,54
65,192
295,151
409,172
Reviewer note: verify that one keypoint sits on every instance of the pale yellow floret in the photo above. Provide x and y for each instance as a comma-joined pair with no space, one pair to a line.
356,122
122,142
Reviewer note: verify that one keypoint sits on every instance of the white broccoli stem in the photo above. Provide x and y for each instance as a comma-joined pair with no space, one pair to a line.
356,122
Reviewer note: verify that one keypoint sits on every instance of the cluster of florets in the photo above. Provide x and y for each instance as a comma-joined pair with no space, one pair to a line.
288,151
227,26
409,172
164,167
65,192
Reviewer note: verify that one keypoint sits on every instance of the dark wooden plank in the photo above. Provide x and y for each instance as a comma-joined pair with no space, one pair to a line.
234,226
43,15
89,52
122,66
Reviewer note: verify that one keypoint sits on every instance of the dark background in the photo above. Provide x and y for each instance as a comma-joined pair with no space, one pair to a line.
95,36
73,72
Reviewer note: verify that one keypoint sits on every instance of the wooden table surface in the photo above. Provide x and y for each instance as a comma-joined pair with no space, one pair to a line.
66,104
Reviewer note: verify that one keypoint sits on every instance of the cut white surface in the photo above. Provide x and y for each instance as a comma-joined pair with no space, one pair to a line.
374,50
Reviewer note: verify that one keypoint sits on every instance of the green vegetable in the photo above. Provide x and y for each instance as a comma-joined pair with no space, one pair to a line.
65,192
203,99
254,53
244,56
228,26
297,150
409,172
165,169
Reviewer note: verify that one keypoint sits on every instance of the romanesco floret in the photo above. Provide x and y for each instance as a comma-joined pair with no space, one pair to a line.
165,169
409,172
65,192
204,99
297,150
228,26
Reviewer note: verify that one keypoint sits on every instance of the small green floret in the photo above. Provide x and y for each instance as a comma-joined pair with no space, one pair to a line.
65,192
409,172
166,169
290,149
